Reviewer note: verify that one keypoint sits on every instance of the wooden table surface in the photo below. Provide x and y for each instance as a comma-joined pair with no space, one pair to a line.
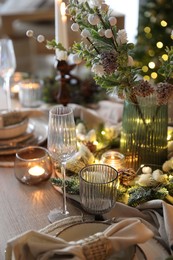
24,207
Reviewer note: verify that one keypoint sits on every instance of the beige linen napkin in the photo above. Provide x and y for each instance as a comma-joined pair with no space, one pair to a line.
156,215
108,112
119,236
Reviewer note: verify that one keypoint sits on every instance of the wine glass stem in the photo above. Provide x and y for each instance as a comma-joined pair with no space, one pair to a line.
63,171
7,90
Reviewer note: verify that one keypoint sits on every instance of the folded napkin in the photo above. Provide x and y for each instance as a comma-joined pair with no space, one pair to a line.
117,237
157,215
107,112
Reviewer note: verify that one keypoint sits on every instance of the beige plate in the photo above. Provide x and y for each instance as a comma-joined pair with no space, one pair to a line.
38,130
13,130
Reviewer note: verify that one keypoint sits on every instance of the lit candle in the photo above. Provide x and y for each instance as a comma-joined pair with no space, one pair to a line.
61,23
114,159
30,93
36,171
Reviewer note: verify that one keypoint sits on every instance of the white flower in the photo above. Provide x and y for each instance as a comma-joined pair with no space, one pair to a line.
91,136
101,32
104,7
30,33
85,33
93,19
61,55
130,62
82,1
76,59
93,3
112,20
146,169
144,179
98,69
40,38
121,37
75,27
167,166
108,33
159,176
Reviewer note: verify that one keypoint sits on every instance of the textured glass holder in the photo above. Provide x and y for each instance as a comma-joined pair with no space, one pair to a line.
32,165
144,133
98,187
114,159
30,92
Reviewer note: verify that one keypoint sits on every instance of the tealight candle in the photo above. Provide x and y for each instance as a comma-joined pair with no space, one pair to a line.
30,93
36,171
32,165
114,159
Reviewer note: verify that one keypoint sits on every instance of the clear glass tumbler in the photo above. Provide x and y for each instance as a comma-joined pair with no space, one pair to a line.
98,188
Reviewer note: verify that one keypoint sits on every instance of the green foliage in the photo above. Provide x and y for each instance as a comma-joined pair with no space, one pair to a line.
72,184
141,194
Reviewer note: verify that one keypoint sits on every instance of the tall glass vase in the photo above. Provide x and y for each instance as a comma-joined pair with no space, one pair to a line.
144,133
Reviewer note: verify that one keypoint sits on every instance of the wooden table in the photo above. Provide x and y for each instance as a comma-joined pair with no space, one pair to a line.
24,207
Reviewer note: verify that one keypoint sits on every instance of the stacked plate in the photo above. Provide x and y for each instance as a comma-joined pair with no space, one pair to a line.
28,131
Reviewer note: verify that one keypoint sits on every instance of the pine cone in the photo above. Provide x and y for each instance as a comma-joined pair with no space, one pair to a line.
109,61
126,176
144,89
164,92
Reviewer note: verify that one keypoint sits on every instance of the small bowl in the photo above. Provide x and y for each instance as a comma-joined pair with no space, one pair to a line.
14,130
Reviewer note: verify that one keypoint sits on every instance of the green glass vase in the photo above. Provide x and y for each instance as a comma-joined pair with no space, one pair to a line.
144,133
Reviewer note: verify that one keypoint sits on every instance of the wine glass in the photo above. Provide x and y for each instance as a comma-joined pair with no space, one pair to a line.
98,188
62,144
7,66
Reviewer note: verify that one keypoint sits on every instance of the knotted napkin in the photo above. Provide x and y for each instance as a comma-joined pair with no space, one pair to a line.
117,237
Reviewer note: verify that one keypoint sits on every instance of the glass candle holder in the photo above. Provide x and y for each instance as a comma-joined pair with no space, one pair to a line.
15,81
114,159
30,92
32,165
98,188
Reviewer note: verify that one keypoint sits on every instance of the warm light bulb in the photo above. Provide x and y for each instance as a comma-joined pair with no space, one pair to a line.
144,68
151,65
153,75
147,29
146,77
163,23
165,57
159,45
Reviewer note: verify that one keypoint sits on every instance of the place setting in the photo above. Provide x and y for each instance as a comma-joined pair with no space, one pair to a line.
18,129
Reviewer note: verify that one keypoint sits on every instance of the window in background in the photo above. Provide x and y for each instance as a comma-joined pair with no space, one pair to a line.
130,10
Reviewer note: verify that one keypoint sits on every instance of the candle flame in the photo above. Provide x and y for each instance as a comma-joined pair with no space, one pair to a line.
63,8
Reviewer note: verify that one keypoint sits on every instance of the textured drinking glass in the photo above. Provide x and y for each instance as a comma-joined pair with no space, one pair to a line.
62,142
7,66
98,188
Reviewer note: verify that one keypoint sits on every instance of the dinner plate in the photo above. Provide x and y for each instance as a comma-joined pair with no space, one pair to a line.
151,249
37,132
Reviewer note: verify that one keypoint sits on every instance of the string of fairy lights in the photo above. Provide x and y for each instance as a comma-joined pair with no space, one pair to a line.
155,33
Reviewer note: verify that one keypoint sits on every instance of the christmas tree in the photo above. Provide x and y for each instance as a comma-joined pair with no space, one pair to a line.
154,35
